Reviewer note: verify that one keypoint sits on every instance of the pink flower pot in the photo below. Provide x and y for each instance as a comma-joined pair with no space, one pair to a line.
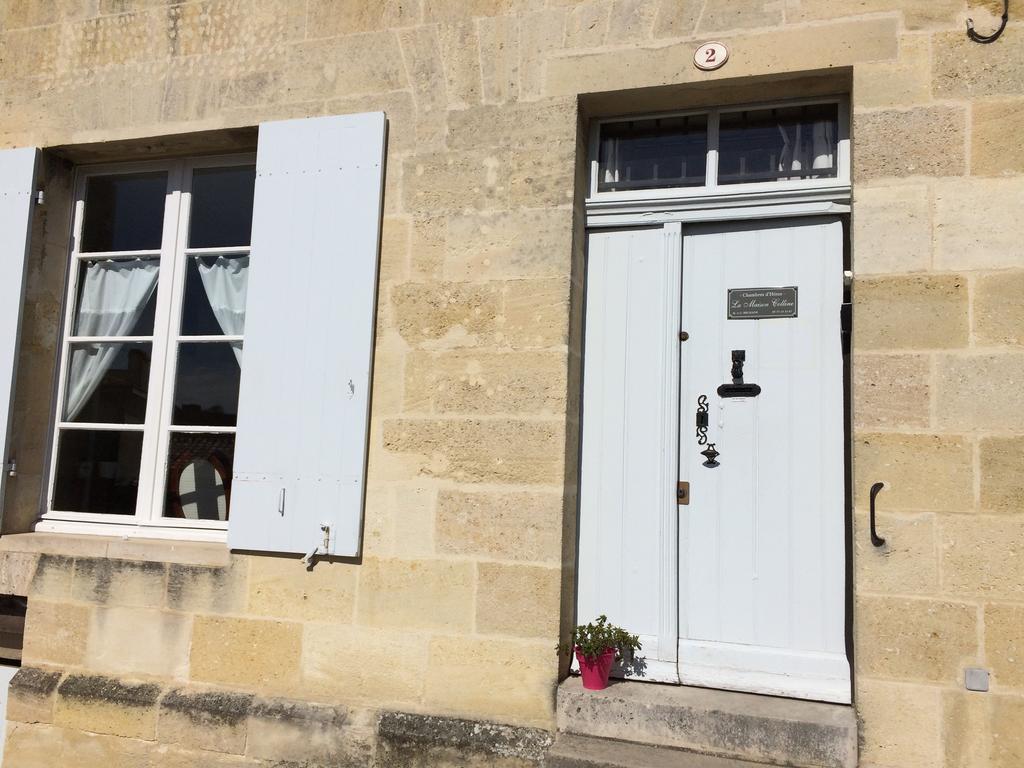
595,671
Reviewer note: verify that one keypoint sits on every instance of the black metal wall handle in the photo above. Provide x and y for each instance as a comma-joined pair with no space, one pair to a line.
877,540
984,39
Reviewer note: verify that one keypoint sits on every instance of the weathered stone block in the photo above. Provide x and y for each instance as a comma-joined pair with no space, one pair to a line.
208,589
993,151
541,33
346,66
298,732
998,311
962,71
959,242
924,141
926,640
450,182
922,472
449,314
1002,466
526,243
252,653
107,705
119,582
891,391
1007,735
139,641
17,570
210,720
917,14
32,746
513,125
466,674
416,594
55,633
488,451
981,556
971,392
542,178
53,576
518,600
722,15
470,382
1004,643
892,229
909,562
506,526
586,24
422,54
325,18
31,695
460,52
967,729
499,58
536,313
284,588
380,667
912,312
902,724
896,83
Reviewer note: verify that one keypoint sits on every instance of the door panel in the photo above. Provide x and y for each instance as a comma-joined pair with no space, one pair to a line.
762,545
627,549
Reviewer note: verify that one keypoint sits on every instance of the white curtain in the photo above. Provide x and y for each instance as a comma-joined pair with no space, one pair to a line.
801,153
114,294
610,155
225,283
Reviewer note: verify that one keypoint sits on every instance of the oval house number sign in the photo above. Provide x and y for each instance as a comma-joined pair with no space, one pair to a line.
710,56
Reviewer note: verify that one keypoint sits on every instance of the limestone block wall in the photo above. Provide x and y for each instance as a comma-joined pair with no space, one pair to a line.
469,535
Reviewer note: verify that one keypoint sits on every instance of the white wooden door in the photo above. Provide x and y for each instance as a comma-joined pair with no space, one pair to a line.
743,588
762,546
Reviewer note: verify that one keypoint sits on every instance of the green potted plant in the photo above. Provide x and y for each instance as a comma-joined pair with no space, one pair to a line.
597,646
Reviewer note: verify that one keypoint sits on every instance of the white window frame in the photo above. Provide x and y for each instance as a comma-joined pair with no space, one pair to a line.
147,521
712,195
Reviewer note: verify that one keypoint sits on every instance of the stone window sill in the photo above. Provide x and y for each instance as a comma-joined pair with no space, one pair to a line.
117,547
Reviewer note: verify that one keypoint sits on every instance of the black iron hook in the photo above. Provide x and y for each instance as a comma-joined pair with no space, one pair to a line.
995,35
877,540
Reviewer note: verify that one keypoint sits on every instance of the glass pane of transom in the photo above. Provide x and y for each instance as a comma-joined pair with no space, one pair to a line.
653,153
206,384
107,383
116,297
778,144
221,213
124,212
199,475
97,471
215,288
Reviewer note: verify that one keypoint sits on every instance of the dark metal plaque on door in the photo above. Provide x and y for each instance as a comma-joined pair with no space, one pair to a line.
762,303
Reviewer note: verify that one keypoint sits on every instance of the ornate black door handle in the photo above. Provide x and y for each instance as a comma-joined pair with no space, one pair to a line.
709,453
738,388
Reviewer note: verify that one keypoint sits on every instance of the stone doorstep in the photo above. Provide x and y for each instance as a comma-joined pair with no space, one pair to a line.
740,726
571,751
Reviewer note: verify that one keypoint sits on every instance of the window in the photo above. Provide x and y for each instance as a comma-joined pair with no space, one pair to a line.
722,151
153,344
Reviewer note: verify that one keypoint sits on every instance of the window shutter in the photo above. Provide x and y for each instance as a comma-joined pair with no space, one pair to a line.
303,409
17,179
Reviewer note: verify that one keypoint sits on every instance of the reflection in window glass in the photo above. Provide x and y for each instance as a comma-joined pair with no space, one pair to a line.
199,475
215,288
124,212
221,212
759,145
653,153
107,383
206,385
97,471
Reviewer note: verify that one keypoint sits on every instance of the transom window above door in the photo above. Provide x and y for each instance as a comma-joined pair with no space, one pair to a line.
153,344
721,152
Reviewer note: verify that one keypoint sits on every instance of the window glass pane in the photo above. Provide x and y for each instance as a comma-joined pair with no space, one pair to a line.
107,383
221,212
215,296
778,144
206,385
199,475
653,153
116,298
124,212
97,471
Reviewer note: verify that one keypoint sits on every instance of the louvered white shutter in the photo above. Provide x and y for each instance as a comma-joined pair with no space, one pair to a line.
300,454
17,177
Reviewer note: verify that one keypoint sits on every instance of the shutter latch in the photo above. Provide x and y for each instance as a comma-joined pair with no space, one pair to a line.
11,468
323,548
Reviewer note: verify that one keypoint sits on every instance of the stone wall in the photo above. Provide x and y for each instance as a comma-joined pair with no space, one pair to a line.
469,535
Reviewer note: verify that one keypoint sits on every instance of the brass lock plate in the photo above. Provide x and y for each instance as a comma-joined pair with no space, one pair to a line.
682,494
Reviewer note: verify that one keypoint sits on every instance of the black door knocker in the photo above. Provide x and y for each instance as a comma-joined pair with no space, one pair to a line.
702,433
738,388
